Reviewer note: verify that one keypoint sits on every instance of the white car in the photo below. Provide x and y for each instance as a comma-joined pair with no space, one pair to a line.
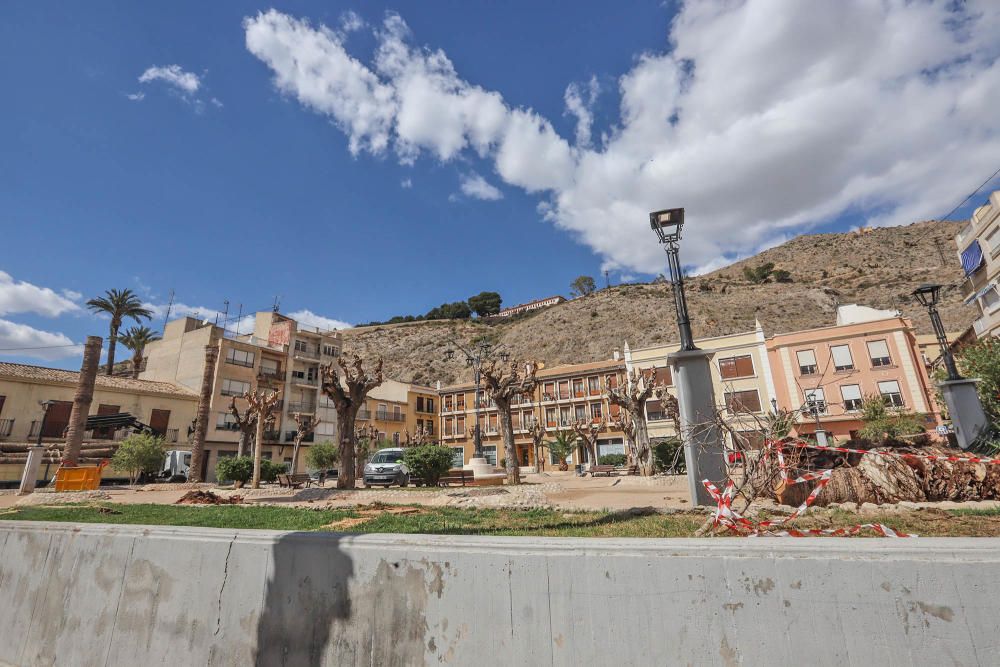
386,467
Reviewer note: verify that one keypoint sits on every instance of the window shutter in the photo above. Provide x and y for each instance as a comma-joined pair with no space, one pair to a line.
727,368
878,348
888,387
851,392
842,355
806,357
744,366
663,376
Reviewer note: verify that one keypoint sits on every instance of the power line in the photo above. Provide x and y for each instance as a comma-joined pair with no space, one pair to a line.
42,347
971,195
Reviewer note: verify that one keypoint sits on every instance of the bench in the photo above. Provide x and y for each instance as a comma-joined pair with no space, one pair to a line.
629,470
601,470
456,476
294,481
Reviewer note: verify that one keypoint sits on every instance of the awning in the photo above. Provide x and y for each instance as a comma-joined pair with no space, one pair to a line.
972,257
975,295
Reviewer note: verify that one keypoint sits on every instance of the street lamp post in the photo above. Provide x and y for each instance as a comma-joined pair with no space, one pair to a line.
30,474
704,443
968,418
475,357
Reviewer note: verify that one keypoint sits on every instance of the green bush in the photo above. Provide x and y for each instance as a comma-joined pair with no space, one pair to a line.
428,462
612,460
237,469
664,452
322,455
139,453
269,470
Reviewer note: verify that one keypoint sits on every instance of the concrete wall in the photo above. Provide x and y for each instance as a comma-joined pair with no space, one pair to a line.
119,595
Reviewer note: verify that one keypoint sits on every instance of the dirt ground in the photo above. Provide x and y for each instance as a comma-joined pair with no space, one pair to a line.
562,490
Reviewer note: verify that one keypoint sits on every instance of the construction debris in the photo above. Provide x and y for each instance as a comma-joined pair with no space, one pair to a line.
198,497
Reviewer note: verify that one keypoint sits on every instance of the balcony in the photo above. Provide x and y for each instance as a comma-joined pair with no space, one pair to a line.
34,429
302,406
364,414
966,235
310,353
272,436
981,326
271,374
390,416
263,342
290,436
171,436
6,427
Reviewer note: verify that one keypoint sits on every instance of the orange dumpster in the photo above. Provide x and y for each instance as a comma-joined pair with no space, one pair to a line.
79,478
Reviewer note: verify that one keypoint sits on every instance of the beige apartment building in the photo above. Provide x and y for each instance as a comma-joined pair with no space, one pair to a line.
979,251
396,408
565,394
280,354
166,408
741,379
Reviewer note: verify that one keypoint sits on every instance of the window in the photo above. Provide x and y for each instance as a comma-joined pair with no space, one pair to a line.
842,360
736,367
527,419
240,357
449,426
490,454
610,446
448,403
492,428
594,385
742,401
420,403
460,402
611,380
596,411
889,390
429,427
300,346
330,350
815,401
564,389
234,387
851,393
395,438
990,298
397,414
580,413
564,416
878,352
807,362
660,376
578,388
460,426
515,421
457,457
226,422
654,410
549,391
382,411
269,367
550,417
429,405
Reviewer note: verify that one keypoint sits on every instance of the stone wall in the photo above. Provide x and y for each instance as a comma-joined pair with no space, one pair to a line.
133,595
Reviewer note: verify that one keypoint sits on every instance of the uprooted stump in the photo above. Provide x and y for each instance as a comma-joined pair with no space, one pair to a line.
872,478
198,497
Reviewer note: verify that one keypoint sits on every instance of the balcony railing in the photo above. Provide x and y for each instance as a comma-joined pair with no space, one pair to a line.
308,353
390,416
311,382
34,428
364,414
272,436
271,373
290,436
171,435
6,427
301,406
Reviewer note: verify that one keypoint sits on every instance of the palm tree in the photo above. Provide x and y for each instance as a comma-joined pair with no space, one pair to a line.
119,304
564,442
136,339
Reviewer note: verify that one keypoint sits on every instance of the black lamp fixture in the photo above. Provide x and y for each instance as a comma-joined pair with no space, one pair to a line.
668,224
475,356
927,296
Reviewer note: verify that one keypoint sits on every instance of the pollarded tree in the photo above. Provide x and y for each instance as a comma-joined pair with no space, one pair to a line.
537,433
502,386
365,438
261,403
631,396
305,425
588,431
348,393
419,437
246,422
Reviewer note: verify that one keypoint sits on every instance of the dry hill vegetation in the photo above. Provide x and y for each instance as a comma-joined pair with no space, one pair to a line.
877,267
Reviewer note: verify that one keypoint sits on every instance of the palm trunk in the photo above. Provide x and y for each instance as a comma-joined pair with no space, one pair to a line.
507,433
136,363
82,399
346,478
112,340
204,406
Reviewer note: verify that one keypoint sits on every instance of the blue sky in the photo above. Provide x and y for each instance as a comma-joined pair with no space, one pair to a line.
231,151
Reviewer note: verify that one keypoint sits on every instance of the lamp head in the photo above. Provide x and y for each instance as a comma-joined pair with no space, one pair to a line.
927,294
667,224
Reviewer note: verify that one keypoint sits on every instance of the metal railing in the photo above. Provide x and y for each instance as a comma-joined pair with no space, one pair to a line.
6,427
301,406
364,414
390,416
34,429
306,353
312,382
171,435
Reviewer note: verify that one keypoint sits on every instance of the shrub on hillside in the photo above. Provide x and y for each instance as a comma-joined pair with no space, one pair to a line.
139,453
428,462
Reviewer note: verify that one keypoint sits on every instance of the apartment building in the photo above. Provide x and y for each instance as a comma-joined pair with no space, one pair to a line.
741,379
166,408
565,394
396,408
280,354
531,305
827,372
979,251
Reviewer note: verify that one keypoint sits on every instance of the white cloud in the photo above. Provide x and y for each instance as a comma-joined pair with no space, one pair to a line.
311,319
351,21
475,186
14,338
406,183
216,103
23,297
173,75
761,118
136,97
177,310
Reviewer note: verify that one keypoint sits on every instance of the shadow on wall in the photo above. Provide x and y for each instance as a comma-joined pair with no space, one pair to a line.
307,596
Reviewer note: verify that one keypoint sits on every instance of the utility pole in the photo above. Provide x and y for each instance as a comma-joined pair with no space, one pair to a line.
937,244
607,280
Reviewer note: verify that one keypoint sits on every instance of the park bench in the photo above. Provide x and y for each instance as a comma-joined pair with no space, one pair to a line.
294,481
629,470
456,476
601,470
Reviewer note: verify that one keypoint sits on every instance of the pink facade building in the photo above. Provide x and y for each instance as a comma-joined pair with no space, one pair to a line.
832,369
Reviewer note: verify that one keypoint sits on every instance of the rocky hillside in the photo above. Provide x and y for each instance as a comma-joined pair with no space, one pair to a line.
876,268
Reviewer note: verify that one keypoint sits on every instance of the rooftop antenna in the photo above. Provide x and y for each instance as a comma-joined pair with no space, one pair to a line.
277,303
170,306
607,280
238,318
225,314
